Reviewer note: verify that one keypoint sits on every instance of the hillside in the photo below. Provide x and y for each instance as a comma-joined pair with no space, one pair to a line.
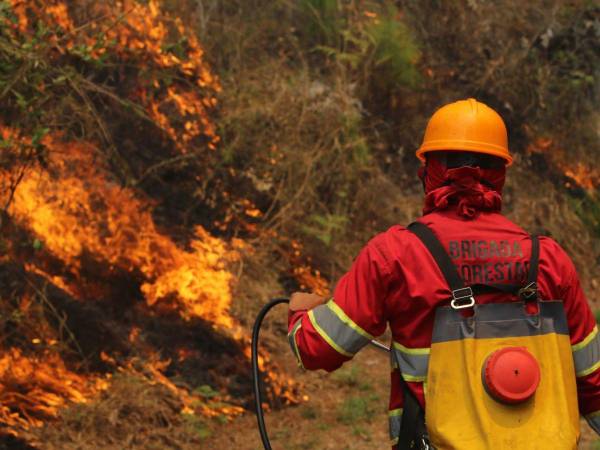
166,166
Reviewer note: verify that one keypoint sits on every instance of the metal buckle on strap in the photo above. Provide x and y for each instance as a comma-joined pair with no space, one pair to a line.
461,294
529,292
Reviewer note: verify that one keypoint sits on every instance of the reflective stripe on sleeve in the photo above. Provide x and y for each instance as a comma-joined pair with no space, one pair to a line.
594,420
412,362
337,329
586,354
395,420
293,344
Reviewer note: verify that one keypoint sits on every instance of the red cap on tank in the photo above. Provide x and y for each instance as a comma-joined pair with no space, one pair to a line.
511,375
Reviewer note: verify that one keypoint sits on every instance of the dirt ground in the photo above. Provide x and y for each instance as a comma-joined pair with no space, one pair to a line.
344,410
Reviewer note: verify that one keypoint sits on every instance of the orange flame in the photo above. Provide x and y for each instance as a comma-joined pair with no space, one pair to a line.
141,34
307,277
78,209
33,388
585,176
74,208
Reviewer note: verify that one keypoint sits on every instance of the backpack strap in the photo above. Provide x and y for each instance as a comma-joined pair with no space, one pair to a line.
413,431
526,292
462,296
482,288
530,290
535,259
460,292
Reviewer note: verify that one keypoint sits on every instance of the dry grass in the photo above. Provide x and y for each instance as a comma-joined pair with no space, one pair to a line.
132,414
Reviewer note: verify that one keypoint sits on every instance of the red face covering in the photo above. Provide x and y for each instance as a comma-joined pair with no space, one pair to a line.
470,189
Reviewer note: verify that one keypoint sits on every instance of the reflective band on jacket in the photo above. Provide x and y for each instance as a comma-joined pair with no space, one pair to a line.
395,419
293,344
594,421
551,319
412,362
586,354
338,329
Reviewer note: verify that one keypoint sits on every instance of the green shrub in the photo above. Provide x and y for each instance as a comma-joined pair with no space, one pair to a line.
369,39
393,53
355,410
322,22
325,227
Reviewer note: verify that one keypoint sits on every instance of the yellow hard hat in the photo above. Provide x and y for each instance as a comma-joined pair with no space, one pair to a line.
466,125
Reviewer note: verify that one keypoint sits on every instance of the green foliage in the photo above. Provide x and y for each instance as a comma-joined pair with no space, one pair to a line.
25,72
394,53
284,433
588,209
358,430
86,84
37,244
355,410
369,39
325,227
309,412
39,90
349,376
322,21
298,129
206,391
196,425
323,426
354,378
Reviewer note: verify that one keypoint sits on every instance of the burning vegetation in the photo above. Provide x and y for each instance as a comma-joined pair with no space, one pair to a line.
72,208
95,281
577,173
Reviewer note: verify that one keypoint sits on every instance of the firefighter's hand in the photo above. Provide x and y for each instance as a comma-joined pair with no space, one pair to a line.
302,300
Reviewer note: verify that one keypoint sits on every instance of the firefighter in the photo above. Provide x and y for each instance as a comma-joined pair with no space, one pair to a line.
494,344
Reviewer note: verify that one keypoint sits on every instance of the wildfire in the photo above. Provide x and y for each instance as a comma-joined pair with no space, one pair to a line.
139,33
74,208
65,200
34,387
585,176
305,275
153,371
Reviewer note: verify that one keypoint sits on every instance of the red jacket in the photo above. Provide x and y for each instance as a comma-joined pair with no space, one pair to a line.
395,280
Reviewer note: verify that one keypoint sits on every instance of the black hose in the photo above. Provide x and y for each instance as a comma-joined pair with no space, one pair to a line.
255,371
260,415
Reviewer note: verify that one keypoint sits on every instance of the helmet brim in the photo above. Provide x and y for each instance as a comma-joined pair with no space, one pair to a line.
474,147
